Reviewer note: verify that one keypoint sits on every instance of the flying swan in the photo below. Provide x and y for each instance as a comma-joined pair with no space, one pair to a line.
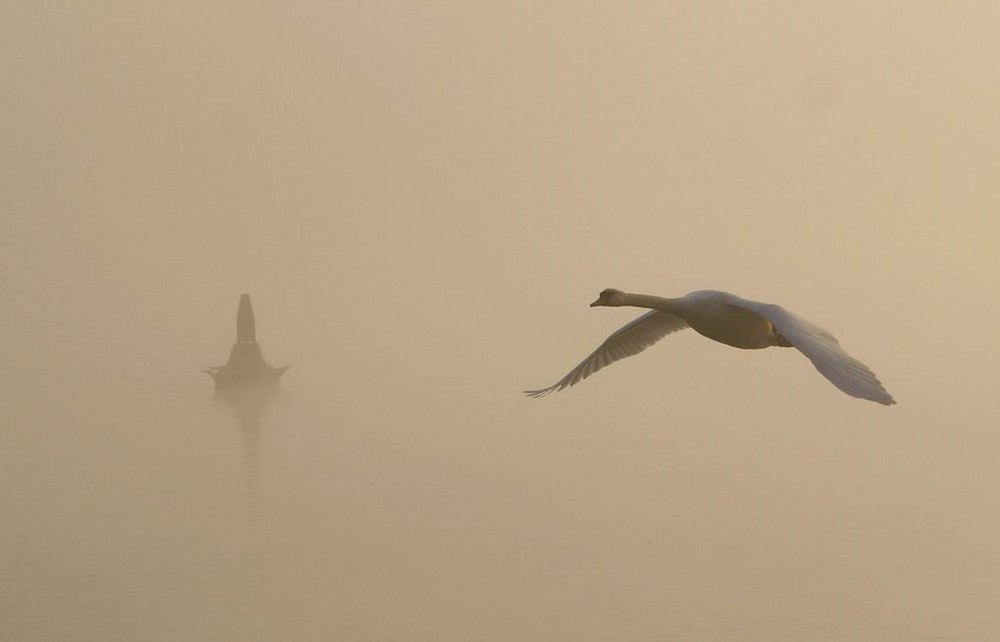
728,319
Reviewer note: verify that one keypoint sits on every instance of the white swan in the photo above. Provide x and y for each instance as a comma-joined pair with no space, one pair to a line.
729,319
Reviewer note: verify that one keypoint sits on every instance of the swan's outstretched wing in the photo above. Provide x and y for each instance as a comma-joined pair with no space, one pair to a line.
632,338
823,349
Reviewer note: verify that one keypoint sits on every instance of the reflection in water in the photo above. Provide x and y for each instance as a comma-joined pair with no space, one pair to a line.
247,404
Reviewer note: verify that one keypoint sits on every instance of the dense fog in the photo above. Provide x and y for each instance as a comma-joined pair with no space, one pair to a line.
422,198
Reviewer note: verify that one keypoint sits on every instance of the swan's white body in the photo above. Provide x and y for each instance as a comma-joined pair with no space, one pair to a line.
729,319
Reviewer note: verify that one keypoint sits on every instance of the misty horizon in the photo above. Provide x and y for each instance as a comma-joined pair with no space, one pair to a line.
422,199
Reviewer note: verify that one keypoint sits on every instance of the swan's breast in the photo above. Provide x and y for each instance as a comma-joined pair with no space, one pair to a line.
733,326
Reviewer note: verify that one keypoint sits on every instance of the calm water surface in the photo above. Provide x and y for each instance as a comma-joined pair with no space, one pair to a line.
165,514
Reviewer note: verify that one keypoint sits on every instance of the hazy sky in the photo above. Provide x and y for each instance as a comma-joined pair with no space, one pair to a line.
422,198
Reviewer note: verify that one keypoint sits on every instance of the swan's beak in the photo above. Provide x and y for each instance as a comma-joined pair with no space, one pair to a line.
595,303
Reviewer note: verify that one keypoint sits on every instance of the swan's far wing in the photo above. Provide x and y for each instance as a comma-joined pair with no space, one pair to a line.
630,339
823,349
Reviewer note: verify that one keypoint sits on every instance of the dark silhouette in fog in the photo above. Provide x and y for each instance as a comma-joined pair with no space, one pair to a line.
245,383
246,365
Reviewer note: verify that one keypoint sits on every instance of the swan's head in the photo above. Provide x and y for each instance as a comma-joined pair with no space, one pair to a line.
611,297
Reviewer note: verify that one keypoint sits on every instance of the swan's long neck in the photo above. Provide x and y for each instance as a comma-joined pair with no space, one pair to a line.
651,302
